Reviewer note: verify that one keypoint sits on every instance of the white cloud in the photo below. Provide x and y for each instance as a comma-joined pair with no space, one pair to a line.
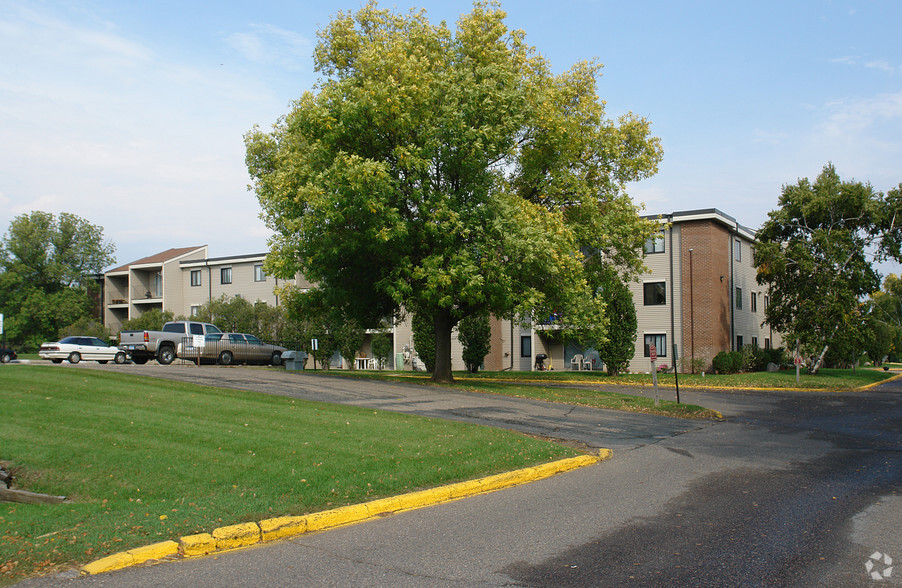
99,125
272,45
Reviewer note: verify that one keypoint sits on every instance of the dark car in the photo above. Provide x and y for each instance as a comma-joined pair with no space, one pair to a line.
7,355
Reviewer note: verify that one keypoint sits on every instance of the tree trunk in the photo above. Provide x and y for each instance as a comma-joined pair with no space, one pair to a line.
443,327
820,360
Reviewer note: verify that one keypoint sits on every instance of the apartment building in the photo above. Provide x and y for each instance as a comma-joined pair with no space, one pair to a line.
182,280
699,297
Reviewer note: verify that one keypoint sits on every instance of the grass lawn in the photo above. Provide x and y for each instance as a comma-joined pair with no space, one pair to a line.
143,460
826,379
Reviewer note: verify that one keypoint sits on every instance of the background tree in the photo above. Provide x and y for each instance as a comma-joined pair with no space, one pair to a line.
236,314
618,348
48,266
475,334
348,336
451,173
884,321
423,328
87,326
815,254
151,320
382,348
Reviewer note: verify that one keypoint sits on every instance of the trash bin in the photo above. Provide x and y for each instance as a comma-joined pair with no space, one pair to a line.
540,362
294,360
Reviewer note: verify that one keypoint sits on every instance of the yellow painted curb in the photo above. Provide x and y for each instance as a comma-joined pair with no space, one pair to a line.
132,557
109,563
237,535
281,527
194,545
244,534
873,384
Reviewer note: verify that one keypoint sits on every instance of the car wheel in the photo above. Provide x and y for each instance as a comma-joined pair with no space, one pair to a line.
226,358
6,358
166,355
120,358
57,360
74,357
276,358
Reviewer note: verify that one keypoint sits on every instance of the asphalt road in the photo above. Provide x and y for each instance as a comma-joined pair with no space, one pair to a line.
792,489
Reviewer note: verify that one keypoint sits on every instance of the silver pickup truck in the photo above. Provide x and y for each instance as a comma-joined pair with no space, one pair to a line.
162,345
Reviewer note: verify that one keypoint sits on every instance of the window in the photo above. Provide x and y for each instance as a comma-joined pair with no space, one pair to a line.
738,342
754,307
225,275
766,343
755,342
660,343
655,244
259,276
766,302
195,278
739,298
526,346
737,250
194,309
655,293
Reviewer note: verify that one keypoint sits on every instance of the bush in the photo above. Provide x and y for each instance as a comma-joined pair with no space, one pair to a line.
755,359
382,348
475,334
727,362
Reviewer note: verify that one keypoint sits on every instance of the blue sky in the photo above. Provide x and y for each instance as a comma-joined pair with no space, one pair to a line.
132,114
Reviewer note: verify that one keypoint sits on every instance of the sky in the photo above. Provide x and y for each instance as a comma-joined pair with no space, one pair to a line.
132,114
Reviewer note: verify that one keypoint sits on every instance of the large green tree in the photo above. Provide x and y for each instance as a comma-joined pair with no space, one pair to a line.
817,254
48,266
451,173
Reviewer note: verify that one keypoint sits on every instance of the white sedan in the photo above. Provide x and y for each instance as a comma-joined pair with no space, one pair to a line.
76,349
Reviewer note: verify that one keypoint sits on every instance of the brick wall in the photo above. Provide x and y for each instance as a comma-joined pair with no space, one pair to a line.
706,293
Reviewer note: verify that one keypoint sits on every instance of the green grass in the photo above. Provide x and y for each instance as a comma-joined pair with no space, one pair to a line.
594,398
827,379
144,460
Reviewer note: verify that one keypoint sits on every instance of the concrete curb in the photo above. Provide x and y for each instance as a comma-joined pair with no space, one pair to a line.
245,534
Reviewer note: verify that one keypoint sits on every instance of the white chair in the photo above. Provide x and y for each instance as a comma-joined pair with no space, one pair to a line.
577,362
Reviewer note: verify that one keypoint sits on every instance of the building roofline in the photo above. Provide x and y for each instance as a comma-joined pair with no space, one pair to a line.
157,258
223,260
712,214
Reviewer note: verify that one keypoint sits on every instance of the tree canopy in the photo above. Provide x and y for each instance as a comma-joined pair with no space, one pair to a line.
817,254
450,173
47,269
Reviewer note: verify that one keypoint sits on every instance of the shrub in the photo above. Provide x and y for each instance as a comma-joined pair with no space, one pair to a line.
382,348
727,362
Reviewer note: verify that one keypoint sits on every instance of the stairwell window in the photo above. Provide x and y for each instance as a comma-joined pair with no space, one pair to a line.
655,293
739,298
655,244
